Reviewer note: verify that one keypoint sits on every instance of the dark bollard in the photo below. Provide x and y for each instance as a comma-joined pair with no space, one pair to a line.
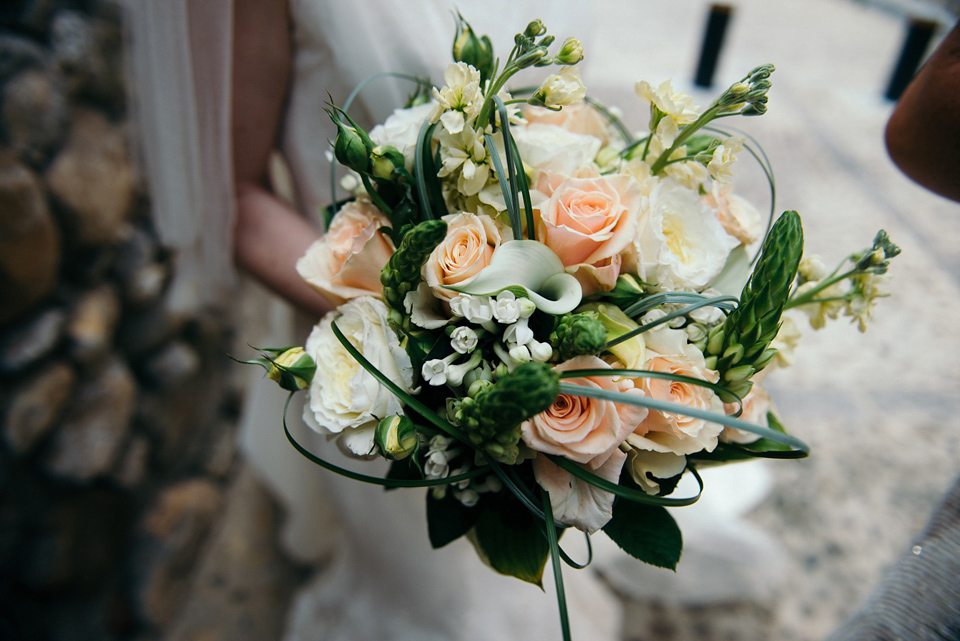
717,21
919,34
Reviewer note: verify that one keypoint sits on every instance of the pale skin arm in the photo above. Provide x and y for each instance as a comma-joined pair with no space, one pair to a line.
269,236
923,134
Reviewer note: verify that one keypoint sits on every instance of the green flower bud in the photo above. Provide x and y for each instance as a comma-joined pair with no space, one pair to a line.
476,52
626,292
384,160
396,437
578,334
570,53
492,418
350,150
535,28
292,370
631,352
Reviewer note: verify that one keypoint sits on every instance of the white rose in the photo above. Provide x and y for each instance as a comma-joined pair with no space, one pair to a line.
552,148
401,130
680,244
344,399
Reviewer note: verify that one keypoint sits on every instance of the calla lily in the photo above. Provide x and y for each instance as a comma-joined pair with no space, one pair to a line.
530,269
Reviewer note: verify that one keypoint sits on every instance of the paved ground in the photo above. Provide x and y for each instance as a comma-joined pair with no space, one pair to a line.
880,410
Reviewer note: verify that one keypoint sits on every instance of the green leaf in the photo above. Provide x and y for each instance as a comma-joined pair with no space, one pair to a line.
645,532
448,519
509,541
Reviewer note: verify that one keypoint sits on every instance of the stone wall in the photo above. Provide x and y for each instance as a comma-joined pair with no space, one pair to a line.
121,497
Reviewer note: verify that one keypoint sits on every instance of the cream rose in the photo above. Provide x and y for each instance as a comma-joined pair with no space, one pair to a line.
401,130
546,147
343,398
466,249
586,220
680,244
346,261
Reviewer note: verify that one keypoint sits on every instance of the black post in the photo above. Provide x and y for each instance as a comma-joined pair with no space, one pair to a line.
717,21
919,33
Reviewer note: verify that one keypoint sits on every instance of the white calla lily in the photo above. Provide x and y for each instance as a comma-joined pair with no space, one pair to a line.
527,268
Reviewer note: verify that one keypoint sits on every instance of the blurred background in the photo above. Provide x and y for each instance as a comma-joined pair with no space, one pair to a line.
125,512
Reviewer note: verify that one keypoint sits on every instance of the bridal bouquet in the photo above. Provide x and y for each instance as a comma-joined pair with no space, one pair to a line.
547,319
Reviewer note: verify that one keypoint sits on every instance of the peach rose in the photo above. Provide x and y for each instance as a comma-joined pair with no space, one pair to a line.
465,250
589,219
576,502
580,118
584,430
756,404
676,433
739,218
346,262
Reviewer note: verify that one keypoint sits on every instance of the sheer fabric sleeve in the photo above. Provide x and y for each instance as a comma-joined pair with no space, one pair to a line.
179,64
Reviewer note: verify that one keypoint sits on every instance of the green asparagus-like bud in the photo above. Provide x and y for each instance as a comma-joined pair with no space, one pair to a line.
578,334
492,417
396,437
402,272
738,348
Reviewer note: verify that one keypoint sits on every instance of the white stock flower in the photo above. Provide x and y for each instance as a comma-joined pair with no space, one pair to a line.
680,244
463,155
723,158
675,104
564,88
343,398
476,309
439,455
460,100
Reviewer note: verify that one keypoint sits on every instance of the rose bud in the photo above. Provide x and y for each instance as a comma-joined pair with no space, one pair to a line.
292,370
396,437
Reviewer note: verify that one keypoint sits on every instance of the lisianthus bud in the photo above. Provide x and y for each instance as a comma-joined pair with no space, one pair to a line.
476,52
570,53
384,160
292,370
626,292
396,437
350,150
